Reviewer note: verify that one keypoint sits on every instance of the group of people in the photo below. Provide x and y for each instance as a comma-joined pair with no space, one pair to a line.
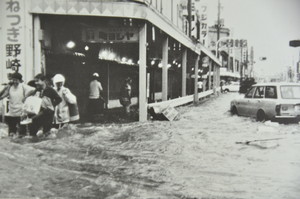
54,107
58,104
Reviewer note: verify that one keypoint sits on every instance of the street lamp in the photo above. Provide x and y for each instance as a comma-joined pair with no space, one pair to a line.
295,43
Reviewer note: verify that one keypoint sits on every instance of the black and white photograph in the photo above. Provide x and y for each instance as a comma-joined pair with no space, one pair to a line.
150,99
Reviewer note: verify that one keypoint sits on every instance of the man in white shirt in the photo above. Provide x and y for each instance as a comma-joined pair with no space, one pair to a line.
17,94
95,99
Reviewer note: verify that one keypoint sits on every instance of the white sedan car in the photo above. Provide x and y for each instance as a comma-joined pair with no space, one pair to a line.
231,87
269,101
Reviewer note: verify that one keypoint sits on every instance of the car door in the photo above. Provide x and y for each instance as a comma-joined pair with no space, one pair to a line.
258,101
243,105
270,101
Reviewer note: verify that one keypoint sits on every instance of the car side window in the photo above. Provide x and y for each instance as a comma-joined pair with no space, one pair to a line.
259,93
250,93
271,92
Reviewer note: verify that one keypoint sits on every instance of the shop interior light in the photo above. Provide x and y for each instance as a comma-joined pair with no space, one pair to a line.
138,62
169,65
174,62
103,54
160,65
124,59
193,69
130,62
111,56
179,65
86,48
71,44
153,33
152,62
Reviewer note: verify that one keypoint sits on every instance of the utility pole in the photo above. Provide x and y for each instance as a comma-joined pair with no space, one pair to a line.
251,61
219,20
189,7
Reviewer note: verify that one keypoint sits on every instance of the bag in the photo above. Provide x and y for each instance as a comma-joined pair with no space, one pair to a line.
32,105
72,104
74,112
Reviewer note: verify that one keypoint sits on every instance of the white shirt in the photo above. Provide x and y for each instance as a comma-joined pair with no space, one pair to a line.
95,88
16,97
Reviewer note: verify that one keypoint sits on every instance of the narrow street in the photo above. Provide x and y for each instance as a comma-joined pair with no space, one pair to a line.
194,157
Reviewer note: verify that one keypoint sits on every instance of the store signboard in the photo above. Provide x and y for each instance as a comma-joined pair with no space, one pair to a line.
12,35
203,25
106,35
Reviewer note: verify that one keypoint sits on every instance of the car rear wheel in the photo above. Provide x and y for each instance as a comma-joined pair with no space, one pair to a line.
226,90
261,116
234,111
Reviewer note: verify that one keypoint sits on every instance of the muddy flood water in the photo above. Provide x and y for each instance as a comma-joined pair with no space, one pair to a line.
196,157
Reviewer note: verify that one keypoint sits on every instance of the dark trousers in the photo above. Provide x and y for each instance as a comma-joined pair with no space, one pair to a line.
95,106
13,125
44,121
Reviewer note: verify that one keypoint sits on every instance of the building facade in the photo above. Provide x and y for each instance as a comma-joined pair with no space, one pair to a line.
145,40
233,52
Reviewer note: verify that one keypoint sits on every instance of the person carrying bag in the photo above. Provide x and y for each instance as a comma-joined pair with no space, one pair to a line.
67,110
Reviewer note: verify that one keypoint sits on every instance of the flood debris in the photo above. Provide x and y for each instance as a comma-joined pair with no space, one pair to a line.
259,140
168,113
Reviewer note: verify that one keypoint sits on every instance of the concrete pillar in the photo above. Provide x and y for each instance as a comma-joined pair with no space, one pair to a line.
143,73
37,48
196,99
228,64
214,77
218,76
165,48
209,74
28,43
183,78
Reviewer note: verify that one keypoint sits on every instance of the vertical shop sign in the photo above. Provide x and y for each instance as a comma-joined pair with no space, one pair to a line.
203,25
12,12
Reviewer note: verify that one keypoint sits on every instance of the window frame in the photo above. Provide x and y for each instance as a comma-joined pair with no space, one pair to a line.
275,90
287,86
257,90
254,88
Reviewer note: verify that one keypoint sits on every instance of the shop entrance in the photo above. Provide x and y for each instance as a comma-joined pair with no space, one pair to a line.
77,47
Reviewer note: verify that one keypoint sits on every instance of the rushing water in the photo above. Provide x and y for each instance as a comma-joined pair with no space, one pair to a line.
194,157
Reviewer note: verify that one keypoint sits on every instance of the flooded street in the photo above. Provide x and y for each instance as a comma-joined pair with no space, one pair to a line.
194,157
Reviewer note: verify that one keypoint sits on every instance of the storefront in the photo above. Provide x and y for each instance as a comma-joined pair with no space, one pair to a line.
117,39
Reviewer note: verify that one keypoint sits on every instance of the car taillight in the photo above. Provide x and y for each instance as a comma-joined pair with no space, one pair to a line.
277,109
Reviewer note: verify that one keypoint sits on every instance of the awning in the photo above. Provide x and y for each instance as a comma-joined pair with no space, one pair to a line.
122,10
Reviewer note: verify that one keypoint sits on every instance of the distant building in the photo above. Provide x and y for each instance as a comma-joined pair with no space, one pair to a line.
232,51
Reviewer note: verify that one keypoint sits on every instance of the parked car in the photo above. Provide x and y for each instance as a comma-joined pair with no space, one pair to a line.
231,87
269,101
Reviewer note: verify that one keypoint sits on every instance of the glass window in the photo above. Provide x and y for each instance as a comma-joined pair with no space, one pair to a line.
250,93
271,92
259,93
290,92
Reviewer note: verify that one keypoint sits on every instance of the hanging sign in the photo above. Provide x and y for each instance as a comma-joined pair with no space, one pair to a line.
203,25
103,35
